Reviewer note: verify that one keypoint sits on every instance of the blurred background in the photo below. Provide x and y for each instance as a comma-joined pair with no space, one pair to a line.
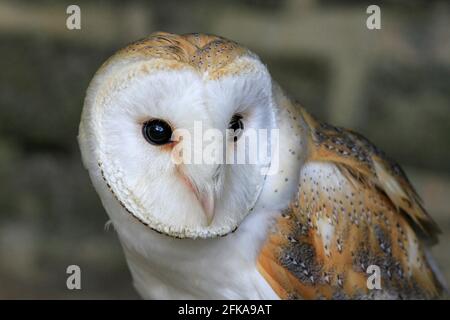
392,85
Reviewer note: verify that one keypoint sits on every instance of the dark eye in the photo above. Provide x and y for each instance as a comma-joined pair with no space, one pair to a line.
237,126
157,132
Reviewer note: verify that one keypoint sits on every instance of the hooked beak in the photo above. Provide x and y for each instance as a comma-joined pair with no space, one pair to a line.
206,199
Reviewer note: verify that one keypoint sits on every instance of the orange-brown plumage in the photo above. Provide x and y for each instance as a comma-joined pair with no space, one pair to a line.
354,208
202,52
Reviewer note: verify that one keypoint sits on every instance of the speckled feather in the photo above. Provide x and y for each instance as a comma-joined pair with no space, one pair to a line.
204,53
354,208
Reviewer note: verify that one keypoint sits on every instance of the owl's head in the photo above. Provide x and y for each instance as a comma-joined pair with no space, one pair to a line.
151,119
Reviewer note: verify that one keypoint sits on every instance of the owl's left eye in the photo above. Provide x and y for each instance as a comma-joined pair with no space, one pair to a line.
237,126
157,132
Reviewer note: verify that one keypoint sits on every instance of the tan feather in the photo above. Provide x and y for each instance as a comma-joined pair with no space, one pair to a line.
204,53
354,208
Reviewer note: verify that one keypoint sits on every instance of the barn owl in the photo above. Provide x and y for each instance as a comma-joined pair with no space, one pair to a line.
334,206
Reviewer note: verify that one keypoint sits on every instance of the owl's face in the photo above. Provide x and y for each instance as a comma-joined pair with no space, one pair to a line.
160,96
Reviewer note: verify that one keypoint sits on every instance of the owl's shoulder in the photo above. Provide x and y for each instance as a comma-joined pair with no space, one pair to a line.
361,161
354,208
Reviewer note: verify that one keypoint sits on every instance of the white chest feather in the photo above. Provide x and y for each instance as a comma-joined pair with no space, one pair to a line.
168,268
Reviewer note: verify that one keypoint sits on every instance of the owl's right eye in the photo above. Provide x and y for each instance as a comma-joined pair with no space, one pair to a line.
157,132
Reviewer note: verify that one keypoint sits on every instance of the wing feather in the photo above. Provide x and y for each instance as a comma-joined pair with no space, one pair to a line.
354,208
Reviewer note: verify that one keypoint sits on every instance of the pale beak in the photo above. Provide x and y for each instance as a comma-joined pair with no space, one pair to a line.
204,193
206,199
